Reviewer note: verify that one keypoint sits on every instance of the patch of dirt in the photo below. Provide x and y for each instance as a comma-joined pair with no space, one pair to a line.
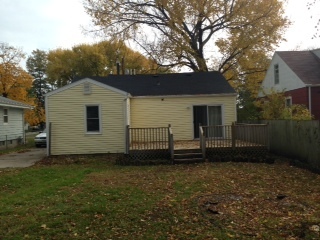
77,159
23,151
248,214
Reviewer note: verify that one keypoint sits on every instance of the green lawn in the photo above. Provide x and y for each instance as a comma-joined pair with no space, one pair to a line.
91,198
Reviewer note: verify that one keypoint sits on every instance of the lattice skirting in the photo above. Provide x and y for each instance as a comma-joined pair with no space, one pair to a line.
146,157
239,154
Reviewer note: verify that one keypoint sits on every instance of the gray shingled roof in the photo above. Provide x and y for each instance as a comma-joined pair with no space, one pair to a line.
11,103
305,64
201,83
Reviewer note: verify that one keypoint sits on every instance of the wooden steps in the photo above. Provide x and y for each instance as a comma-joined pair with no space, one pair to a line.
187,156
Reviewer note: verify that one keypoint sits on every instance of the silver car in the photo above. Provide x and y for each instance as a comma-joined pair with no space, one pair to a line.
41,139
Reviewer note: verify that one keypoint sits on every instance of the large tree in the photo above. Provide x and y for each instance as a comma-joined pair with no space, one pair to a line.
60,68
14,81
37,66
98,59
200,34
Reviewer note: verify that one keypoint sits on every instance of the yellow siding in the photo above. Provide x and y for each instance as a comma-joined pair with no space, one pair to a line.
177,111
66,112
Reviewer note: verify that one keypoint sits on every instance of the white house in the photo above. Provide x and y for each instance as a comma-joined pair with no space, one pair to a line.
297,73
11,122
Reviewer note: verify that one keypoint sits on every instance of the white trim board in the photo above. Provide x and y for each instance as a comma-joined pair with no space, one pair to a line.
66,87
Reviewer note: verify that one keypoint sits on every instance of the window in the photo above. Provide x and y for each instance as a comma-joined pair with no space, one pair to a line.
93,119
288,101
276,74
208,115
5,115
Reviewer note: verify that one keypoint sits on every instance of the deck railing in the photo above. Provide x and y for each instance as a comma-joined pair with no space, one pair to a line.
148,138
235,135
144,143
252,134
217,136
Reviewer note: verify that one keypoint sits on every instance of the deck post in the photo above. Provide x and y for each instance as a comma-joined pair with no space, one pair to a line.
127,139
170,142
233,135
202,143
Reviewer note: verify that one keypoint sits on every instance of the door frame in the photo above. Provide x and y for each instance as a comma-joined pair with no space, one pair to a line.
204,117
208,105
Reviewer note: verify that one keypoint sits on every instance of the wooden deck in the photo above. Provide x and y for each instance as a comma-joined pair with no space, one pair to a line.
192,144
221,141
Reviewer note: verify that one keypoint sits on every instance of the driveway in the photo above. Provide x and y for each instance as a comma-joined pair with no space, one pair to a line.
23,159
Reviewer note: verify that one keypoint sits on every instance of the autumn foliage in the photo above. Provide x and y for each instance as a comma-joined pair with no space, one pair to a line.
200,35
97,59
15,82
273,107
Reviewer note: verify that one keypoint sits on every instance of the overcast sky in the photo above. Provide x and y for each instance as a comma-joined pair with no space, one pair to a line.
49,24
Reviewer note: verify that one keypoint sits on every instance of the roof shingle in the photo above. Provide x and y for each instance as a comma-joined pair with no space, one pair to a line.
305,64
12,103
201,83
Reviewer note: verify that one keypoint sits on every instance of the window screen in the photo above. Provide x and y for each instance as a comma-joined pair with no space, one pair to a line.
93,119
5,115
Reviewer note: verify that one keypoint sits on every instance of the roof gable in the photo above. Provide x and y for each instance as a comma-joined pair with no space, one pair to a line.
6,102
83,80
202,83
305,64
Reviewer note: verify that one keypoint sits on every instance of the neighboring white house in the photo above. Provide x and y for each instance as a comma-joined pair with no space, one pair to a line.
11,122
297,73
90,115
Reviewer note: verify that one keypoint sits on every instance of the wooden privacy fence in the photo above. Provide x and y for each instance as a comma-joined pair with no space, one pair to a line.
234,139
149,143
299,140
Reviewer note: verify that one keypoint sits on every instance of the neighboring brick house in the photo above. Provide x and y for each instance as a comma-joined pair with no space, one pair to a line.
298,74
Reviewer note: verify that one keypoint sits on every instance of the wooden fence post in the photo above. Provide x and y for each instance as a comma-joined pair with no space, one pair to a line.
233,135
171,143
268,136
49,140
127,139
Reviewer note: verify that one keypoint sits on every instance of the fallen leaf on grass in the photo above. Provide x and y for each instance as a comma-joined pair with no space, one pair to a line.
44,226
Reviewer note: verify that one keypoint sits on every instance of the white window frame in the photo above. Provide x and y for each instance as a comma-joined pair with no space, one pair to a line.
5,116
209,105
222,111
85,119
286,101
222,118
